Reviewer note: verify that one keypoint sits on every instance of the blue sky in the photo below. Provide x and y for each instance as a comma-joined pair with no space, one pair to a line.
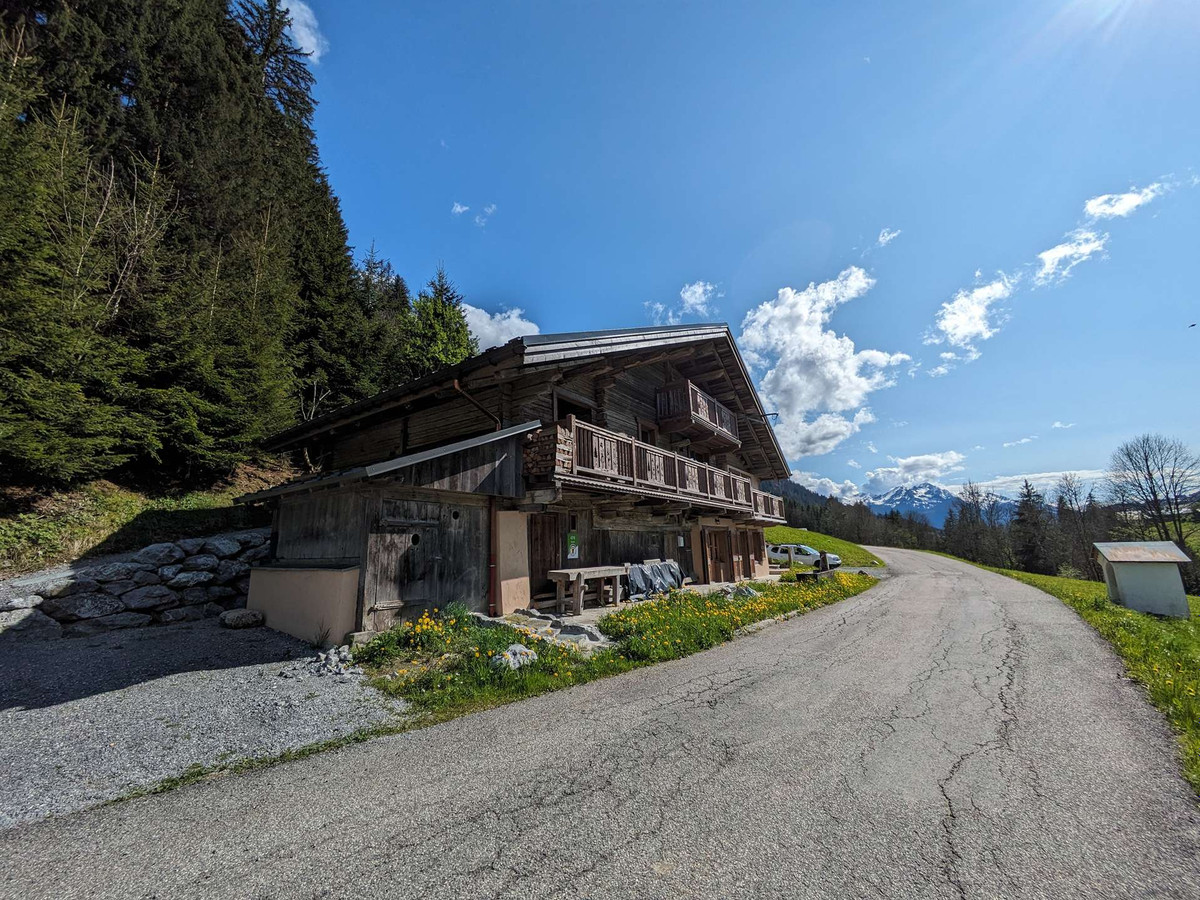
996,204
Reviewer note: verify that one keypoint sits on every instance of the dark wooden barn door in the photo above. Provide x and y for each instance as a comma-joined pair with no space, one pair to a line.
718,553
405,559
545,550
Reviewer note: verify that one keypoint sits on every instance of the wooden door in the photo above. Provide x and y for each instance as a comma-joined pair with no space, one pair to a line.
404,560
718,553
545,550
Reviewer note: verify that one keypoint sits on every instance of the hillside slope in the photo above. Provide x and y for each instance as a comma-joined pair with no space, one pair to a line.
851,554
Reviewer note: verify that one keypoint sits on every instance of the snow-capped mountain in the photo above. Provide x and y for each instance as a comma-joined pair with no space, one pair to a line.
929,500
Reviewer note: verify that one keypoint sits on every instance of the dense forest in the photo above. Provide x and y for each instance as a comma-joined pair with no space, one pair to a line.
176,280
1151,492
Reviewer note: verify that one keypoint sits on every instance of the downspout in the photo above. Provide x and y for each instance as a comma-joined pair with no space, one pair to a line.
479,406
493,541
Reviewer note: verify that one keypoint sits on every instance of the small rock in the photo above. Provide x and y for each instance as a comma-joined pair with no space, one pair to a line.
211,609
159,554
251,538
81,606
146,576
152,596
28,625
66,584
204,562
166,573
241,618
190,546
514,657
190,579
220,592
117,588
221,546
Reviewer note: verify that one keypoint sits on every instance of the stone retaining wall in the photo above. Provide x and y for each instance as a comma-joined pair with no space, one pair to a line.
168,582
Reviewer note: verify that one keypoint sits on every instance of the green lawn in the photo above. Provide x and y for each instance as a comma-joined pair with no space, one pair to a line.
442,664
851,554
1163,654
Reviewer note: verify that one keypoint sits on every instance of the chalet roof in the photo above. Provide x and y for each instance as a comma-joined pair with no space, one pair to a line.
1141,552
387,467
542,350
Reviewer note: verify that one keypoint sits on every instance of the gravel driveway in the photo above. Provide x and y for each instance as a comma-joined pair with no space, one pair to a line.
950,733
83,720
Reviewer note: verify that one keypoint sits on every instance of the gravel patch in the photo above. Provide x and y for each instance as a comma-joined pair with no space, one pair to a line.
86,720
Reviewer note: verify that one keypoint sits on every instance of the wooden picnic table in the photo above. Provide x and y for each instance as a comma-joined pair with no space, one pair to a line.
608,576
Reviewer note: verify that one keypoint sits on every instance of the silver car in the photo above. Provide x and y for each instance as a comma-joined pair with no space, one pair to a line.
802,553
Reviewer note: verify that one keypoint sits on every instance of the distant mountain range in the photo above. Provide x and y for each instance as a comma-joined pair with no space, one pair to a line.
929,500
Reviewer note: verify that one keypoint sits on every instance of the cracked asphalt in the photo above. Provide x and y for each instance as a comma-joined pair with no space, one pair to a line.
949,733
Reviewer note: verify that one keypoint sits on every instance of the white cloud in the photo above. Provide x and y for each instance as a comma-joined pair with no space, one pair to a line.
1057,262
695,299
1058,424
979,447
494,329
968,317
1043,481
845,490
458,209
1107,206
908,470
1028,439
481,219
871,447
854,464
305,30
887,235
810,368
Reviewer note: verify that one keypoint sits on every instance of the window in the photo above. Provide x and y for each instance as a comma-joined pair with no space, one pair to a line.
647,432
572,405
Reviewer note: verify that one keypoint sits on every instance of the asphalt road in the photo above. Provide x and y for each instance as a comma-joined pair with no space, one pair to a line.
949,733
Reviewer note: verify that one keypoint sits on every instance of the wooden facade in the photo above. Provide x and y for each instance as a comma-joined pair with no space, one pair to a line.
607,447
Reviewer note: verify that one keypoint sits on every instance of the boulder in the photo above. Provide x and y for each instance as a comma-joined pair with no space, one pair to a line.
146,576
220,592
117,588
193,595
210,609
28,625
152,596
241,618
62,585
230,569
166,573
28,601
204,562
81,606
222,546
514,657
118,571
190,579
190,545
159,554
251,538
108,623
254,554
182,614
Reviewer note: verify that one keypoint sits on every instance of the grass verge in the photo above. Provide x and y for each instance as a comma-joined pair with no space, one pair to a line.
444,665
851,554
1162,654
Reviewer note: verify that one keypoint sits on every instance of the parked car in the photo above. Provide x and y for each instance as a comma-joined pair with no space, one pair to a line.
803,554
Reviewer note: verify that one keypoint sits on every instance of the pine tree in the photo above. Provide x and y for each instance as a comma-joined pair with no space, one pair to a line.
1031,533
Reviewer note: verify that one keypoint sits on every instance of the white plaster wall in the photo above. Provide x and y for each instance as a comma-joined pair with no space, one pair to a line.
1151,587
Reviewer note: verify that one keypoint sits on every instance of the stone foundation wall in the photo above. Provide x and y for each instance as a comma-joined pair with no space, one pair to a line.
168,582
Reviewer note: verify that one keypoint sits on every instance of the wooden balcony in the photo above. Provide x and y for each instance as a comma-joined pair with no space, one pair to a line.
576,453
685,409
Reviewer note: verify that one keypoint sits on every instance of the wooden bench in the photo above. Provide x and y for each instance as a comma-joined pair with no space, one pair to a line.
575,580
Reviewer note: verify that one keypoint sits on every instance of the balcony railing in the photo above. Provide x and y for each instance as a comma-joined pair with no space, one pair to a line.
617,461
684,408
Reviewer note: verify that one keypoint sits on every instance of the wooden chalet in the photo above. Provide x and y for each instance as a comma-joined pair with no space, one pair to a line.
550,452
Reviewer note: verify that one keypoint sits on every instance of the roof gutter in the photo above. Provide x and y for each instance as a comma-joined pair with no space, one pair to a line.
475,403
